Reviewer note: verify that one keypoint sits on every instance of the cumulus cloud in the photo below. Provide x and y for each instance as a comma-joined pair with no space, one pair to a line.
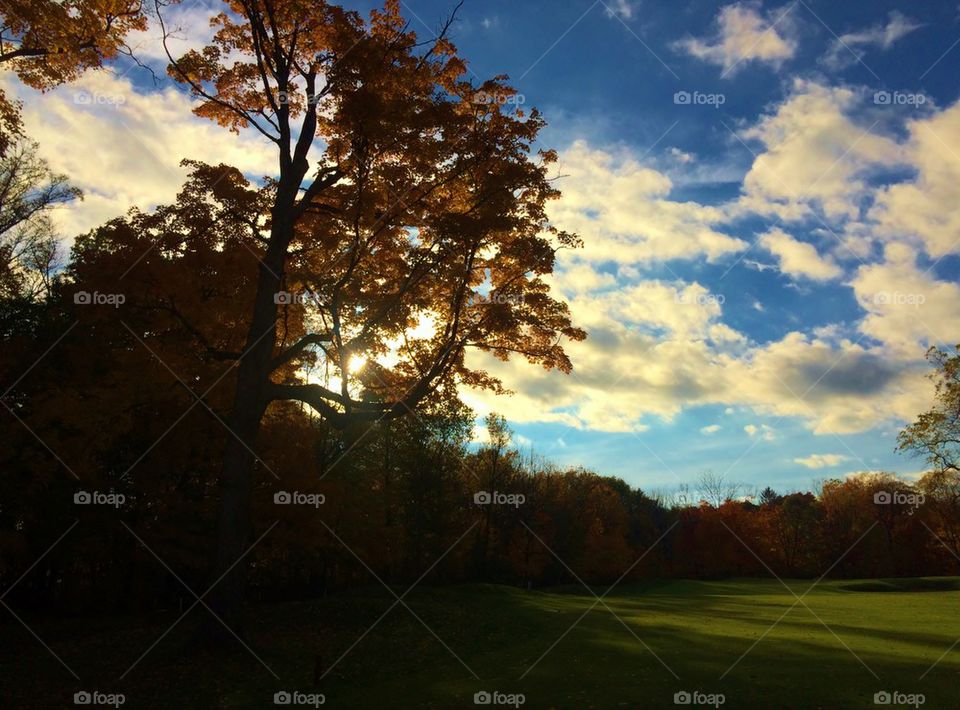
907,308
925,207
742,35
821,160
133,142
663,355
821,460
711,429
798,258
624,210
657,346
815,156
849,48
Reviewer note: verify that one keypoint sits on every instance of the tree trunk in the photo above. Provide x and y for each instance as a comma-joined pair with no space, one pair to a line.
237,475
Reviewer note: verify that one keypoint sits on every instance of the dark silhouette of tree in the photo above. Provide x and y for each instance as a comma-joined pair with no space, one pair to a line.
420,195
768,496
29,190
716,489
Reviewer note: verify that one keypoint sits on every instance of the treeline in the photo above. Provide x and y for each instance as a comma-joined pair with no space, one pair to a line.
403,500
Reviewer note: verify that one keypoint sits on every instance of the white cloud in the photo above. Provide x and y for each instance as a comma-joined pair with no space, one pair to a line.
814,157
623,9
798,258
846,49
580,277
624,211
821,460
712,429
132,145
925,207
188,27
656,347
759,266
764,431
907,309
742,36
649,354
681,156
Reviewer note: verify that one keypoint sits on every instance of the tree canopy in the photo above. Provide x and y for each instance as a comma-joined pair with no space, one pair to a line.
935,435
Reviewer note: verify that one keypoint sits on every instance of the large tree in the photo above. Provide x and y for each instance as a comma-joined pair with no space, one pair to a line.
408,202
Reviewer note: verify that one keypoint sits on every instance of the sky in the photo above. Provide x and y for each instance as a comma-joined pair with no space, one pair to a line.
767,194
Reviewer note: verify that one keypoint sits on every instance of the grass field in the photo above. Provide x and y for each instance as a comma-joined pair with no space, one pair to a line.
747,639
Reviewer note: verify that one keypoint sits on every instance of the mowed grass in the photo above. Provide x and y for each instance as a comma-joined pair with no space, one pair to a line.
750,640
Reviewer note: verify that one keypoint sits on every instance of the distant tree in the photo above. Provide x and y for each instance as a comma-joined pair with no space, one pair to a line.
884,511
29,191
941,490
793,523
715,489
495,464
683,496
768,496
935,435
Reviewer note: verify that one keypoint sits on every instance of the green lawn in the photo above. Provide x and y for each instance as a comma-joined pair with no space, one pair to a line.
698,630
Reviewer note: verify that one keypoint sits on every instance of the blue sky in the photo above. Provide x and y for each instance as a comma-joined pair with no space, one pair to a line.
767,193
607,73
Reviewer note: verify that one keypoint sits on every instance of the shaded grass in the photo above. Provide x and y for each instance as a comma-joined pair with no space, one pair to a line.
916,584
747,639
